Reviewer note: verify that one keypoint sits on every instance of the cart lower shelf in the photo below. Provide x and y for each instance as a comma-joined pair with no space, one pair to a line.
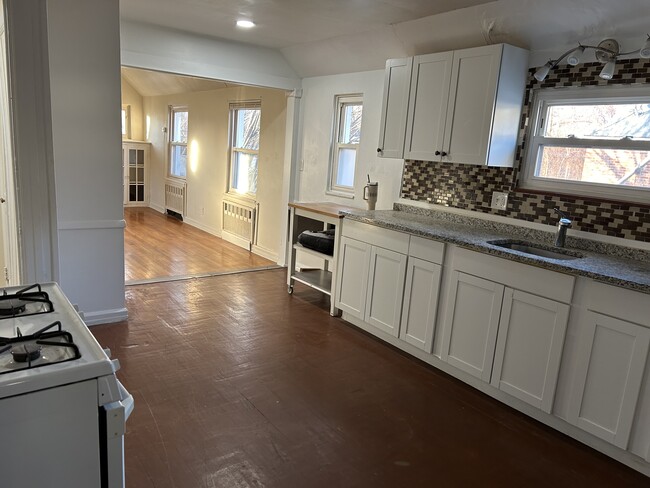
318,279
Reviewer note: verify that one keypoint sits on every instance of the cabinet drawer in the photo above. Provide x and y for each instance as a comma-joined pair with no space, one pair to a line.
427,249
628,305
538,281
377,236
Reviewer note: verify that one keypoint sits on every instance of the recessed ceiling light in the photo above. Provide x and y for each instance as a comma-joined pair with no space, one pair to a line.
246,24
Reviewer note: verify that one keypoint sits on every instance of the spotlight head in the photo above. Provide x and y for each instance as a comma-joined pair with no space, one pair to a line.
542,71
576,56
645,50
608,70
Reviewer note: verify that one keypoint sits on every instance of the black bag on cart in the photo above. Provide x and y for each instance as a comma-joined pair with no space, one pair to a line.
321,241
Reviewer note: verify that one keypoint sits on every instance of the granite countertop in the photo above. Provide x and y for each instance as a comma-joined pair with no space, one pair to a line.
608,263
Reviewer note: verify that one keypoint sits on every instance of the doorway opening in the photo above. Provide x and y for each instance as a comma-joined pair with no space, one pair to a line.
207,151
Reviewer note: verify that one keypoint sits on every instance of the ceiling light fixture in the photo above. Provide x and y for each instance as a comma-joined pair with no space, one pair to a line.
607,52
246,24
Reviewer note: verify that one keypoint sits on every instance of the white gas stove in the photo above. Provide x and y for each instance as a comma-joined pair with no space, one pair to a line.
60,401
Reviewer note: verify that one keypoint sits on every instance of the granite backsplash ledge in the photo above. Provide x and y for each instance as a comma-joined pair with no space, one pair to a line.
526,233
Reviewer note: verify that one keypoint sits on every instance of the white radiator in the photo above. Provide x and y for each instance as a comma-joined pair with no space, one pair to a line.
238,222
175,196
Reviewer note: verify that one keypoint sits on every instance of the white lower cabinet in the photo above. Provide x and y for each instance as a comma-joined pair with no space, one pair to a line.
385,289
420,303
354,259
529,347
471,324
610,364
507,337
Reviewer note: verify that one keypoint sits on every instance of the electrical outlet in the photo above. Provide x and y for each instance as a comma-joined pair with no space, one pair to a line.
499,200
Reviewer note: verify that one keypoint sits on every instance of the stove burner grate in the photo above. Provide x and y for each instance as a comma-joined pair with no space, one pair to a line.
31,300
30,348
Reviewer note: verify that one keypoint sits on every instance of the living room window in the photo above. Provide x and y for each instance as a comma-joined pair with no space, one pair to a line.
126,121
244,146
345,143
592,142
178,117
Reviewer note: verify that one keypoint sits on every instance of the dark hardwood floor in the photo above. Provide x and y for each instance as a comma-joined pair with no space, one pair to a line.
238,384
157,246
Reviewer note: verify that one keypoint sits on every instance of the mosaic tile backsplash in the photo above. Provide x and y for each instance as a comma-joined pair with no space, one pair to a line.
470,187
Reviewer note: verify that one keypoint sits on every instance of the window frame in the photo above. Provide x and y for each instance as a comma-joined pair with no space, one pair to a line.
545,98
173,144
126,128
233,149
340,102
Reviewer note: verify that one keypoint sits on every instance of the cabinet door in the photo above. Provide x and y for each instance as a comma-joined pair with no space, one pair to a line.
529,347
420,303
385,289
474,78
425,125
394,108
607,382
471,323
352,277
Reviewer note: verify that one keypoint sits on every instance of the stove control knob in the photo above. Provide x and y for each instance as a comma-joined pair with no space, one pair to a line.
108,352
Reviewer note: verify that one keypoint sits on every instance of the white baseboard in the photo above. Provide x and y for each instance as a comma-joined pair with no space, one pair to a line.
205,228
265,253
236,240
106,316
157,208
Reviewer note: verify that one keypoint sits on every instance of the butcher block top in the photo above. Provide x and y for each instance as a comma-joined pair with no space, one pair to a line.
329,209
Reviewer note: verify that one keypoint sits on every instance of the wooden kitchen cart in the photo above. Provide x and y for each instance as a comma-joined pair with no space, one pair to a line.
315,216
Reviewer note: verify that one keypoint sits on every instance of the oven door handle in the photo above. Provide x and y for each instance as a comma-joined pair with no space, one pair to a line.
112,428
127,400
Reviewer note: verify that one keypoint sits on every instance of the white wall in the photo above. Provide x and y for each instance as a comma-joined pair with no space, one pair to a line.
317,112
131,97
84,61
208,147
163,49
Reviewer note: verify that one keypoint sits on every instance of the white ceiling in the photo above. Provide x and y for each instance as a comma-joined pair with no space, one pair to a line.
321,37
152,83
283,23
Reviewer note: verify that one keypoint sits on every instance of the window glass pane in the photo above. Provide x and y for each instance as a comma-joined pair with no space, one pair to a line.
179,161
602,121
247,134
244,172
350,131
179,124
609,166
345,169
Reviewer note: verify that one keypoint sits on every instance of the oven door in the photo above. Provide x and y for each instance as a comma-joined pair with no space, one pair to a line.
112,426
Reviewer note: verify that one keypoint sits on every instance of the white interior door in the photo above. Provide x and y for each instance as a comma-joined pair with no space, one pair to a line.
9,257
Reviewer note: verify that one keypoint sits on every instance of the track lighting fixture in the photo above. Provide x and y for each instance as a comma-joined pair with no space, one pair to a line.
607,52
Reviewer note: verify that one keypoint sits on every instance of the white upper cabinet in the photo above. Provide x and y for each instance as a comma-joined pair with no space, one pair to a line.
395,106
464,106
425,125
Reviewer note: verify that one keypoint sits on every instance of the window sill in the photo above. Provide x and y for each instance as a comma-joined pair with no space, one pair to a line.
340,194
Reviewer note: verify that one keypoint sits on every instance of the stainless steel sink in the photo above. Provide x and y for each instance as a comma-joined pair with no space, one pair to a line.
537,249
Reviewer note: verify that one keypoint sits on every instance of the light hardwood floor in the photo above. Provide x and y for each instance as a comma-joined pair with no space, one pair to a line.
238,384
158,246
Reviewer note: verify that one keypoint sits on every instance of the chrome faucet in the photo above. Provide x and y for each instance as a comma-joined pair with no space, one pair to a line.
562,226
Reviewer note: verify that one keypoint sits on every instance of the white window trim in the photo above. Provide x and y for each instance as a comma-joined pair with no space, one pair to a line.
172,144
127,122
332,187
581,95
250,104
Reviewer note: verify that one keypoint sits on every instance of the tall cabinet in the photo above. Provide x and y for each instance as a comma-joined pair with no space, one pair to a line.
135,165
